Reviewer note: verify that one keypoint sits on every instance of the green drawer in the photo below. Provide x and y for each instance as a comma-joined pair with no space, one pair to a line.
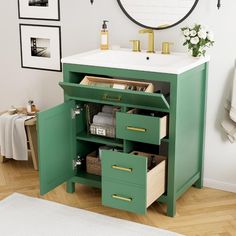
141,128
126,183
124,167
118,97
123,196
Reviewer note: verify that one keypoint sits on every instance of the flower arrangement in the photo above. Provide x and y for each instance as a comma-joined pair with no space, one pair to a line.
198,38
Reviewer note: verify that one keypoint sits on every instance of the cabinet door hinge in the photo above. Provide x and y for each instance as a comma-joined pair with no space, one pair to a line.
77,162
76,111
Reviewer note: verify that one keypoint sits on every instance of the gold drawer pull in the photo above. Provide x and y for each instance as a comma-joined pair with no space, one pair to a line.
115,99
122,168
136,129
126,199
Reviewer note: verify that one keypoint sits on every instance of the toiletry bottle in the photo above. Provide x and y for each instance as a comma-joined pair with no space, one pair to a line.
104,36
28,107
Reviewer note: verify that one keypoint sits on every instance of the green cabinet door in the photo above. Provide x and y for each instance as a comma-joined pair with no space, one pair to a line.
56,145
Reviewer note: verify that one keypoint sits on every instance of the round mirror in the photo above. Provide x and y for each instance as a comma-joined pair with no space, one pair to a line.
157,14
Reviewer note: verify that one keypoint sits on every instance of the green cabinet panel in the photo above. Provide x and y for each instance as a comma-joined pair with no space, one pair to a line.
146,129
125,182
124,196
124,167
56,145
118,97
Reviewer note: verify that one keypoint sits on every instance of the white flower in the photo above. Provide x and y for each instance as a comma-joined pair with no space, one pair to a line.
194,40
186,32
202,34
188,38
204,27
193,33
210,36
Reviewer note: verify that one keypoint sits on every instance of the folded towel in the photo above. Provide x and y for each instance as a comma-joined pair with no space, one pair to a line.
103,120
104,114
13,140
108,109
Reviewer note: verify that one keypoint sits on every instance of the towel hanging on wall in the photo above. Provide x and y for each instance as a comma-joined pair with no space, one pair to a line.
229,124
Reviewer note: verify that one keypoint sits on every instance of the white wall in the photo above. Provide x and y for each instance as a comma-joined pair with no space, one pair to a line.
81,25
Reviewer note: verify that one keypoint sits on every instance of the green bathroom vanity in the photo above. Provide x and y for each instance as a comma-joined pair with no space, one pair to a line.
181,83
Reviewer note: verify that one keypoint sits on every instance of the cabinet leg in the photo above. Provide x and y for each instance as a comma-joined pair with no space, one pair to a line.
199,183
171,208
70,187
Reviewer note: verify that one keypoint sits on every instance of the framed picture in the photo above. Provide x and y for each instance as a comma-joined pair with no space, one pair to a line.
39,9
40,47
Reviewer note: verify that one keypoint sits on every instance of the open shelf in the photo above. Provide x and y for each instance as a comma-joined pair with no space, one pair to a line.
99,139
89,179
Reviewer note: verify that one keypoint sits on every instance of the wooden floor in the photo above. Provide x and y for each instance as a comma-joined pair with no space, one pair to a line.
199,212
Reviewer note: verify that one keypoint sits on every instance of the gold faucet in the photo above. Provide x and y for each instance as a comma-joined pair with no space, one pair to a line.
150,39
136,45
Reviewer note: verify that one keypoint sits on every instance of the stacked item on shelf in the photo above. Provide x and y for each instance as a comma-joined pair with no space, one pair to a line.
103,122
93,160
118,84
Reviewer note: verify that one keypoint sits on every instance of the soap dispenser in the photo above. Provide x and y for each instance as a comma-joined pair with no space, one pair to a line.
104,36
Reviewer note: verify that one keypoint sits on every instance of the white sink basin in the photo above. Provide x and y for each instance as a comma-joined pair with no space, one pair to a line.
174,63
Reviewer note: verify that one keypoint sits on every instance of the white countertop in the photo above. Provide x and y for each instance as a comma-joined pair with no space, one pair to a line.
174,63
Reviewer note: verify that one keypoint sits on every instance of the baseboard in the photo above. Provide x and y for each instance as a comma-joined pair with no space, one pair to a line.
211,183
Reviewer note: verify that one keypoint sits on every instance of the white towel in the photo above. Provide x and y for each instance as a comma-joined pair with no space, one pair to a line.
103,120
13,140
229,124
232,112
6,133
107,109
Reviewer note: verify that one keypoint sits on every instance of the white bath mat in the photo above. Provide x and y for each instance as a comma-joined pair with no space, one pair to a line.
21,215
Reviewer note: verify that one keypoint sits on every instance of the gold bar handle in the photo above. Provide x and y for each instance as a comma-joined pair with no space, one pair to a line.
115,99
122,168
126,199
136,129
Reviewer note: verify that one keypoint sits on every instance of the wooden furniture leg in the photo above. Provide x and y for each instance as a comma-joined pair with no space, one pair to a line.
3,159
32,135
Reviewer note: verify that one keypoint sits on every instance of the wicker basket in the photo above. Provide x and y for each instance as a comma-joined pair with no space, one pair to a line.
93,163
98,129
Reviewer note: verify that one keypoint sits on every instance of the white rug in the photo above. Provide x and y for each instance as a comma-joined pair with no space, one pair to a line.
21,215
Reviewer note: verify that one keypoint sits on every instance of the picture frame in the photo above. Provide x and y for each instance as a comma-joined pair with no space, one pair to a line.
39,9
40,47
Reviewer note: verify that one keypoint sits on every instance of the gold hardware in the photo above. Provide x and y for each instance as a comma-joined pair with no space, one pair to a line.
115,99
150,39
136,45
122,168
136,129
166,47
126,199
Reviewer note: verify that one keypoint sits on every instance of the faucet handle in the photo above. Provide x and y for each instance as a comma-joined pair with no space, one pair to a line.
136,45
166,47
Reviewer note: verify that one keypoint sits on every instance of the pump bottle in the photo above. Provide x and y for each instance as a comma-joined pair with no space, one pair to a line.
104,37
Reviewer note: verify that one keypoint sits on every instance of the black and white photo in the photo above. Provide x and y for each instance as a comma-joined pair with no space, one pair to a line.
38,3
40,47
39,9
